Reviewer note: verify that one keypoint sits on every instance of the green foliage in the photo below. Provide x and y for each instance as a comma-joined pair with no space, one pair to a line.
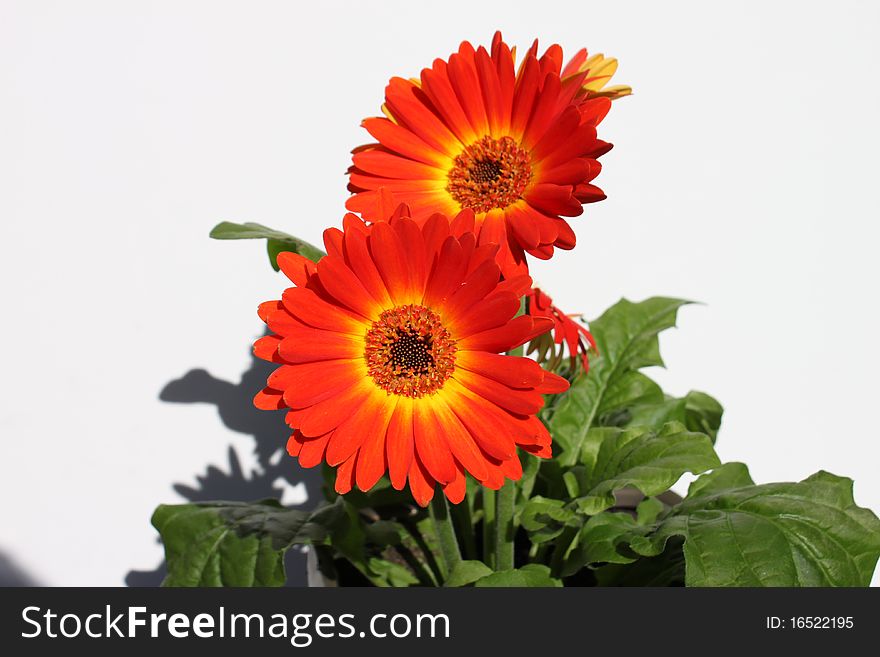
532,575
276,241
809,533
638,458
597,513
236,544
467,572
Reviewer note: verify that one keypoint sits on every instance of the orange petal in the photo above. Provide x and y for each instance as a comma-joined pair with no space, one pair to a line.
524,402
296,267
456,489
309,307
269,400
312,451
512,371
345,475
369,419
431,447
420,483
344,286
399,443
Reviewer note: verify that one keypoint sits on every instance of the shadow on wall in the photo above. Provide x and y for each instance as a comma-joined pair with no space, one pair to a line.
234,402
12,575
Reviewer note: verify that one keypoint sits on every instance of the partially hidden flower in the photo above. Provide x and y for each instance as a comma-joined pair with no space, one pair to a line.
389,353
516,146
565,331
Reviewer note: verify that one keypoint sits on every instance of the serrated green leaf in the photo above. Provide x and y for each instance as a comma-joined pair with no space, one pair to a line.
598,539
544,519
276,240
809,533
235,543
531,575
388,573
650,462
626,335
467,572
666,569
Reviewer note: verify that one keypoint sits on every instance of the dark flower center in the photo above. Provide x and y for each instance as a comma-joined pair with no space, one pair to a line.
409,352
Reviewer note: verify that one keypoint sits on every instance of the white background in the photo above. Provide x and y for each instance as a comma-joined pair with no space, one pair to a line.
744,175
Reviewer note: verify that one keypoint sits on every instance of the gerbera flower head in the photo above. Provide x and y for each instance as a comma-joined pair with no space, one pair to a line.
517,146
389,358
565,331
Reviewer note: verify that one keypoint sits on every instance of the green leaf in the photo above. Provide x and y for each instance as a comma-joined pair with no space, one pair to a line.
666,569
276,241
809,533
598,539
531,575
545,518
391,574
626,335
648,510
725,477
467,572
648,461
234,543
703,413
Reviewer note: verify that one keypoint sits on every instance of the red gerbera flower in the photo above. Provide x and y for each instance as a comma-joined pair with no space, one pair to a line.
518,148
565,330
389,353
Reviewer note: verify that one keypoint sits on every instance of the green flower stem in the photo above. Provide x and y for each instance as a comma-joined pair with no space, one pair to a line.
489,527
424,576
505,498
504,526
425,549
464,527
445,531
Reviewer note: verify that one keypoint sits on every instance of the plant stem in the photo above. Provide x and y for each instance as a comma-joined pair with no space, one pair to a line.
424,576
464,528
445,531
489,527
504,526
505,498
427,553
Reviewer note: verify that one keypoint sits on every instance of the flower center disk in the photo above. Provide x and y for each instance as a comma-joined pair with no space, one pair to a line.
409,352
488,174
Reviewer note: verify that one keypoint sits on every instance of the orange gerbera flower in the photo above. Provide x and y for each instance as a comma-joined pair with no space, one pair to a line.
518,148
565,330
389,353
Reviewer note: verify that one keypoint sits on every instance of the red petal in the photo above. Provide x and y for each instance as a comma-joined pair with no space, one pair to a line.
455,490
312,452
420,483
269,400
344,286
399,443
403,141
512,371
345,475
554,199
431,447
266,348
552,384
525,402
296,267
311,309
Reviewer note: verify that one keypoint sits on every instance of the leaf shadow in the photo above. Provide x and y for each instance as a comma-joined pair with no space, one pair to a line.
274,470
